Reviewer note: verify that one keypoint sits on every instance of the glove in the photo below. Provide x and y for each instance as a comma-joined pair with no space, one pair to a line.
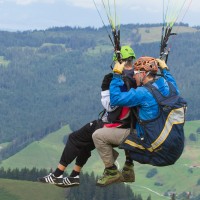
118,68
162,65
106,81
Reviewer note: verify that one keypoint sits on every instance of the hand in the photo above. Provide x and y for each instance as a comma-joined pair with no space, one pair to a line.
161,63
106,81
118,68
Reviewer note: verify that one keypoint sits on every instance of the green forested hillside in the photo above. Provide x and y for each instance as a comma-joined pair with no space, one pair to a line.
159,182
52,77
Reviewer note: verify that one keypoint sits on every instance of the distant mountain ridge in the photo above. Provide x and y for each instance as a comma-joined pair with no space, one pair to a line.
52,77
158,182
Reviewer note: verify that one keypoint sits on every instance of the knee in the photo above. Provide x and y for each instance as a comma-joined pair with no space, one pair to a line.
96,136
71,140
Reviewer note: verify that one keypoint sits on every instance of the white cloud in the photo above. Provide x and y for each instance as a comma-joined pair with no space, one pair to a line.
130,4
82,3
119,3
27,2
90,3
133,4
38,13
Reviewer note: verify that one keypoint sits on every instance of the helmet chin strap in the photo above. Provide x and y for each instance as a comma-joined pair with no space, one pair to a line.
141,80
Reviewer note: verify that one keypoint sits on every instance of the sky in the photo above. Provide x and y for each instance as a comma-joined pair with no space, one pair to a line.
43,14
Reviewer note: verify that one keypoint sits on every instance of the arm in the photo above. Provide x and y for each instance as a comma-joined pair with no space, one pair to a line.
105,93
105,100
170,78
117,98
165,71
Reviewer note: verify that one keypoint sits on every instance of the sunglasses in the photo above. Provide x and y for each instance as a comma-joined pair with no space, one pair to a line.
137,72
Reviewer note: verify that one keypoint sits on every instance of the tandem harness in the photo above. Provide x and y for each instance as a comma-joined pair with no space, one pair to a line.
162,140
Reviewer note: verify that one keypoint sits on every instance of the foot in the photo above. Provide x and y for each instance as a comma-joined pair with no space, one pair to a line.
70,182
51,179
109,176
128,173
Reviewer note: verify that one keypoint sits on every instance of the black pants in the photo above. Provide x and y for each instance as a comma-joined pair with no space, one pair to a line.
80,144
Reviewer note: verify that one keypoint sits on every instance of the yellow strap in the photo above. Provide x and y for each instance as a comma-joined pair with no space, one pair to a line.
176,116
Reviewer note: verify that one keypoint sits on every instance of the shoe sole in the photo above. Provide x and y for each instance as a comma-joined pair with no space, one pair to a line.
48,182
128,180
67,186
119,180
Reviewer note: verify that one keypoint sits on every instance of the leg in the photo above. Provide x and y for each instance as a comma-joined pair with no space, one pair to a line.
127,170
76,142
73,179
81,159
104,140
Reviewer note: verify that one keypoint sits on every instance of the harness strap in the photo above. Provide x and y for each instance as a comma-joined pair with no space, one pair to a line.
157,94
132,110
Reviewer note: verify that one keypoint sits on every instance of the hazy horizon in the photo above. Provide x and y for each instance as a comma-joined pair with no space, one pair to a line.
17,15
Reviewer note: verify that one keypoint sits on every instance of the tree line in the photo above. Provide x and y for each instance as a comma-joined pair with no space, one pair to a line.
53,77
86,190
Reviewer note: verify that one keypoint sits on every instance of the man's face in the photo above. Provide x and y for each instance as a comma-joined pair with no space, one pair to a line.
138,76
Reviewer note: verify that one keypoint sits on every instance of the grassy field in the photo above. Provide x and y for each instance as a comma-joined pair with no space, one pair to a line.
40,154
153,34
23,190
3,62
3,145
148,35
182,176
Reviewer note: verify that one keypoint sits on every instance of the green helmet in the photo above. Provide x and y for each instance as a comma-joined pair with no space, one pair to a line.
126,52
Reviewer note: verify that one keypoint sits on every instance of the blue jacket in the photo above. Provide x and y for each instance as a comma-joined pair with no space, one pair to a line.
140,97
160,134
